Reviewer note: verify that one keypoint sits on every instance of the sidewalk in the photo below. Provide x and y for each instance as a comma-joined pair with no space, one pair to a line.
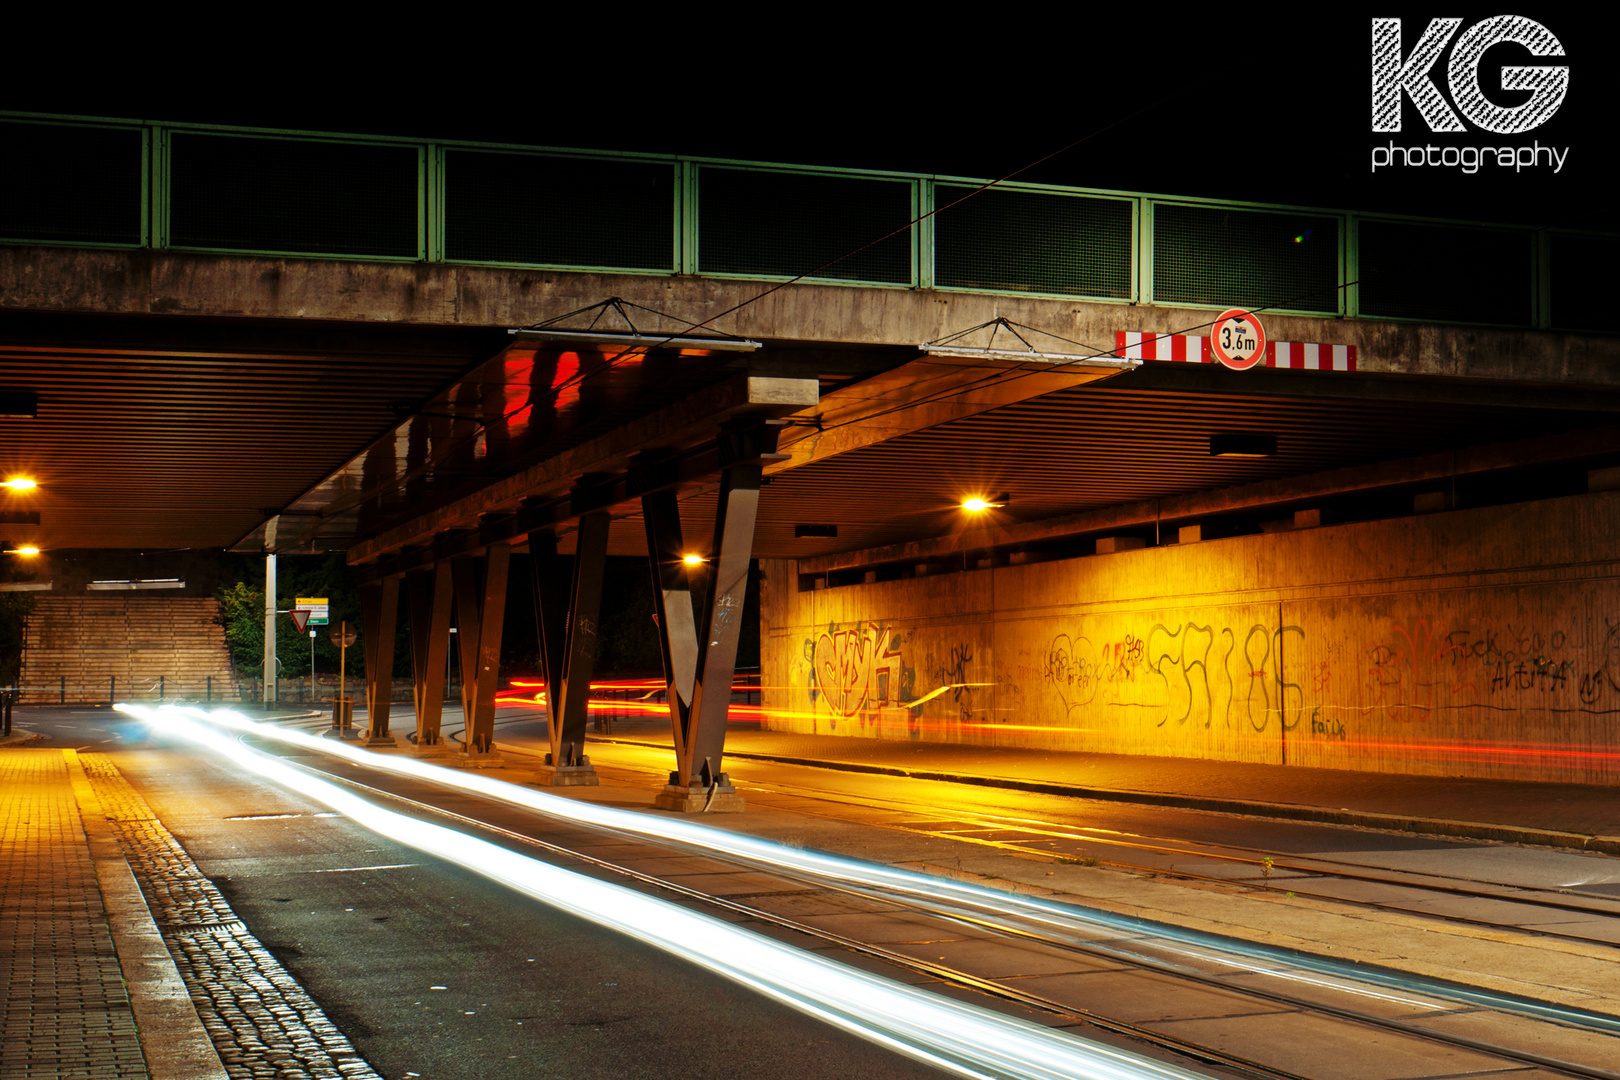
89,988
1578,816
1585,816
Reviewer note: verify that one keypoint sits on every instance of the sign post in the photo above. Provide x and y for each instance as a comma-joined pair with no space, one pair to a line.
1237,339
342,708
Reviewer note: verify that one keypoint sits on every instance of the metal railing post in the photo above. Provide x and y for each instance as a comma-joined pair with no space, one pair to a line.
160,688
208,694
112,689
64,690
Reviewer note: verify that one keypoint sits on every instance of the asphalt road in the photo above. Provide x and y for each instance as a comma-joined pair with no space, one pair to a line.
435,972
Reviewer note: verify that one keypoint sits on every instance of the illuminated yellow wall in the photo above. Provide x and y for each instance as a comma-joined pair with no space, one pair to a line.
1477,642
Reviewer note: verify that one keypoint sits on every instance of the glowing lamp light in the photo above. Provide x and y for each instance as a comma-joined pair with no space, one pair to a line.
26,550
977,504
20,483
692,560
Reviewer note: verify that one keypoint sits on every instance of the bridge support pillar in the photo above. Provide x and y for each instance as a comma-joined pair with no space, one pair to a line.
568,644
480,611
700,622
430,596
379,612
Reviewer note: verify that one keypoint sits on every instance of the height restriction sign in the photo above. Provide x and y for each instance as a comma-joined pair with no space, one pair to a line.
1237,339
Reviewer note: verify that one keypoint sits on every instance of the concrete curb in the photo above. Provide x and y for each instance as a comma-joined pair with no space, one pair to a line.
173,1040
1477,830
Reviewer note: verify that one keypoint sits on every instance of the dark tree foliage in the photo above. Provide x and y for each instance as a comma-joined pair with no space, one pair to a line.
242,616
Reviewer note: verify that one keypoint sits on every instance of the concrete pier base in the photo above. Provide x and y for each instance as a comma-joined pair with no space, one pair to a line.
581,775
722,798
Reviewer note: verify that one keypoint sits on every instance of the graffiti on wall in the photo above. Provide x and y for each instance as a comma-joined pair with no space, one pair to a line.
1192,674
857,669
1603,683
1071,671
953,676
1186,673
1422,668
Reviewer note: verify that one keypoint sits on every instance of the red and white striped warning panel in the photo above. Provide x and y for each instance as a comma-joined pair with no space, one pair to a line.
1193,349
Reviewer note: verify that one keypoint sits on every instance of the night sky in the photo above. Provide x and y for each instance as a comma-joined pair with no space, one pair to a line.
1261,108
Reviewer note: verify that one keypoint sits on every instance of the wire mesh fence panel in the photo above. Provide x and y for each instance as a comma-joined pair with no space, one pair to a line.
558,211
786,224
294,195
70,183
1030,241
1585,282
1249,258
1446,273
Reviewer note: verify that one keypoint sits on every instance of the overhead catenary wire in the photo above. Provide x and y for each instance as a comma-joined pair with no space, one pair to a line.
812,272
452,445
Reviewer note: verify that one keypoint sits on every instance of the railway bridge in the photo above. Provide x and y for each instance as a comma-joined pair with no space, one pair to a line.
972,439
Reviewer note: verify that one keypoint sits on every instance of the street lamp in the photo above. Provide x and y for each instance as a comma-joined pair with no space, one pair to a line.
978,504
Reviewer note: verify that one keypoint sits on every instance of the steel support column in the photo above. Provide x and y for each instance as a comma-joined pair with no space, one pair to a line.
579,650
699,782
491,614
464,577
430,598
379,615
566,763
673,599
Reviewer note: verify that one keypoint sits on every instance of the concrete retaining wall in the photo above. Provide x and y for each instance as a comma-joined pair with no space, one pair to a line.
132,646
1476,643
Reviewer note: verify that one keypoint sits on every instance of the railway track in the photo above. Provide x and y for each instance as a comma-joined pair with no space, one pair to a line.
1530,908
1229,1007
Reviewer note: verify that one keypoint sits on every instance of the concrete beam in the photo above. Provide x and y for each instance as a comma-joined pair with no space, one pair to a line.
1284,494
437,294
693,420
928,391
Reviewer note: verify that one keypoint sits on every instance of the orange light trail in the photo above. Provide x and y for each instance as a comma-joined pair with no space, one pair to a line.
530,693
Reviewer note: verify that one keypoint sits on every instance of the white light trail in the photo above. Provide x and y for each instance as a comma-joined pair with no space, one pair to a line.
959,1038
1061,918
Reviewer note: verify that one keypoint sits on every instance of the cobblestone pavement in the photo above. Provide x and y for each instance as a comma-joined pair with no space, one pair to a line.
261,1022
64,1011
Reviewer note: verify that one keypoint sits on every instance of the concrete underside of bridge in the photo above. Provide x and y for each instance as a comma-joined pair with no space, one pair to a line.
441,295
1422,580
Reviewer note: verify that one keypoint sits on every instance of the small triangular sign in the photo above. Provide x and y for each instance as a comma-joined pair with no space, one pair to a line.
300,617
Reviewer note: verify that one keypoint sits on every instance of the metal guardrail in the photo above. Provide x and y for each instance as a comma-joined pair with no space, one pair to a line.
92,182
159,687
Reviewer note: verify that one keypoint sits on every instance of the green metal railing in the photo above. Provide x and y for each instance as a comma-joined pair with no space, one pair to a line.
89,182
